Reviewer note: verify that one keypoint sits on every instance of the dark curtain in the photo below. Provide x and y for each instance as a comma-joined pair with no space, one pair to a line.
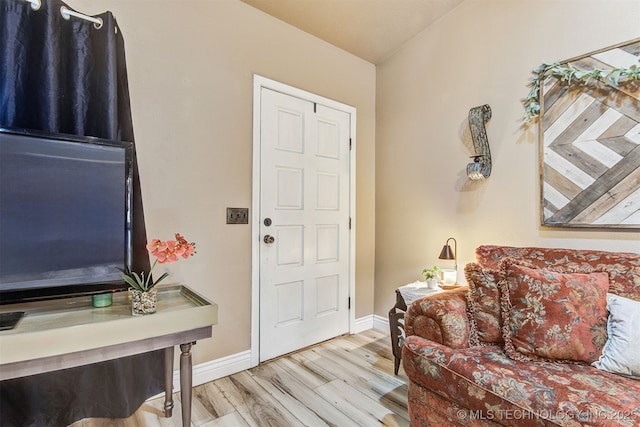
67,76
63,76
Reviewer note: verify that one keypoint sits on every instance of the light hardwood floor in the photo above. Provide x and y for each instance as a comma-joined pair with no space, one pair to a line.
347,381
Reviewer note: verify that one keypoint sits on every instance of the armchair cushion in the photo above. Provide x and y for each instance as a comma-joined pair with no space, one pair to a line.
495,387
623,268
621,352
443,320
553,316
484,304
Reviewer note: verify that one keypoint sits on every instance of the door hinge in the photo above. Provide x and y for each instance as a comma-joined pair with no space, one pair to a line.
349,303
349,223
350,143
315,108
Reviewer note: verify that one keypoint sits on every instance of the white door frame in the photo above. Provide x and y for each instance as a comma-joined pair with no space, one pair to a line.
260,82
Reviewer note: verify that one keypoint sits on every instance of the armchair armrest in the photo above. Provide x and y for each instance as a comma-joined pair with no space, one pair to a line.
442,319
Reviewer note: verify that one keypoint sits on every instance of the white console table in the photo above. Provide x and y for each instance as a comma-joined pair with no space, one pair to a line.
65,333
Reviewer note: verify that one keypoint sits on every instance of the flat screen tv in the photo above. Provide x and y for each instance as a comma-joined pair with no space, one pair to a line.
65,215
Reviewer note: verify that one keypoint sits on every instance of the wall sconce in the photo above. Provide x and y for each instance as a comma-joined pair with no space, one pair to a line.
450,277
481,166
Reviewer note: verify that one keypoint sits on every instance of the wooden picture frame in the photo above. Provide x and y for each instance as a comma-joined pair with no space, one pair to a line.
589,138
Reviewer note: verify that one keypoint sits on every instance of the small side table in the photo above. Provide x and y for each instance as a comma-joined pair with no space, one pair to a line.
405,295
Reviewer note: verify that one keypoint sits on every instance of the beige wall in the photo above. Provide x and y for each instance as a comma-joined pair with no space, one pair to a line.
191,66
190,72
480,53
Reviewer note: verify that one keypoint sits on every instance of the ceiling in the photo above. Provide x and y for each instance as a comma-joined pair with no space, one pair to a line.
369,29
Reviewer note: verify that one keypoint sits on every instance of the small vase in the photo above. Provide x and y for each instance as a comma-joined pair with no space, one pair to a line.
432,283
143,302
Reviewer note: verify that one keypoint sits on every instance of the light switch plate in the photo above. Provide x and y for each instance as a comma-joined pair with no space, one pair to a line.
237,215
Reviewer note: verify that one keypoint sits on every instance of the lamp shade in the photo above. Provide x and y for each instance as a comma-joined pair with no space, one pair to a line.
447,253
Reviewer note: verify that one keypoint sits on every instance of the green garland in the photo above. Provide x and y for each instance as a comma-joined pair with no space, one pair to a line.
568,74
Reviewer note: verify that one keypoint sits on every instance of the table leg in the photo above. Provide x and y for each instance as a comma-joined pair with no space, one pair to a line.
168,382
186,380
396,333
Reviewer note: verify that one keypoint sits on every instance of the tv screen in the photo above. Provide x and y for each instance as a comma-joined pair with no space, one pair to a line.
65,215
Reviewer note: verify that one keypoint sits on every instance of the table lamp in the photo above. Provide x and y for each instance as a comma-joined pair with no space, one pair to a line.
450,277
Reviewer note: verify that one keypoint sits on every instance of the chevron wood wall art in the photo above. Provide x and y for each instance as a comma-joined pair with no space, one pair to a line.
590,146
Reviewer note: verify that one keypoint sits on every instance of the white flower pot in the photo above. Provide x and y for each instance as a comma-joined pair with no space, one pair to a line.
432,283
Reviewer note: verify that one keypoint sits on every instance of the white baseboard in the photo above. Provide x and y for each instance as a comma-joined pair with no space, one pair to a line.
372,321
380,323
228,365
214,369
362,324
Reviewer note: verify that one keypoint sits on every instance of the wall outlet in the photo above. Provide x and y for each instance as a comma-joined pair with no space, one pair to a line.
237,215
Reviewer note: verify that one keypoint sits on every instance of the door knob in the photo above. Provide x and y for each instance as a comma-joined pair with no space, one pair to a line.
268,239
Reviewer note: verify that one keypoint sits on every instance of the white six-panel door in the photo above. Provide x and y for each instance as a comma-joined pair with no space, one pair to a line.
304,223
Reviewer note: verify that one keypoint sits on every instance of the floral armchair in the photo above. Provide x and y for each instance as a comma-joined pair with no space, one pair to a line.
535,342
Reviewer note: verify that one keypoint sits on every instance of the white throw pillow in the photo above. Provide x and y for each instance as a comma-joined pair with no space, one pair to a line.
621,353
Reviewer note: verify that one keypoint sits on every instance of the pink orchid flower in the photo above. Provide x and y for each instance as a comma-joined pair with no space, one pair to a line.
165,253
156,246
